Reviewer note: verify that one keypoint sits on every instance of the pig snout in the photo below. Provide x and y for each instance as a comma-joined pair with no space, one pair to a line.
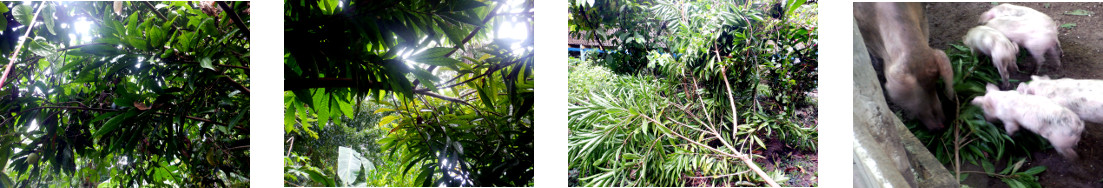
1065,145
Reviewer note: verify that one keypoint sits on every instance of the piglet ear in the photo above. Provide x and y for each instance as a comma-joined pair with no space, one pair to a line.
991,87
980,101
1022,88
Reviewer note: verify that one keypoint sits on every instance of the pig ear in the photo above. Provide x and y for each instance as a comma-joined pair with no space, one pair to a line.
980,101
945,70
991,87
1022,88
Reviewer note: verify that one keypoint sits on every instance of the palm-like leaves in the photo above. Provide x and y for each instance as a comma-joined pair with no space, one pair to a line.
627,135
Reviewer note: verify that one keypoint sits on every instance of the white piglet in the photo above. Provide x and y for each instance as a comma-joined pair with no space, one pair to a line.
1046,87
1083,96
984,39
1028,28
1038,114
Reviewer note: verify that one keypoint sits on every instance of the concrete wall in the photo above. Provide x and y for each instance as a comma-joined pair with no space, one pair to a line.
886,154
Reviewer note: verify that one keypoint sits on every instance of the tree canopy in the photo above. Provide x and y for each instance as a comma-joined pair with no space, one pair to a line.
439,87
124,94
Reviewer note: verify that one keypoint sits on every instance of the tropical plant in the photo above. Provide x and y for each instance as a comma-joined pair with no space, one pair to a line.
464,119
701,54
971,138
124,94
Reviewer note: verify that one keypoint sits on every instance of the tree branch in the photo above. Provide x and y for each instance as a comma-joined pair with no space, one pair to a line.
237,85
19,47
718,176
431,94
154,9
233,16
725,143
115,110
731,100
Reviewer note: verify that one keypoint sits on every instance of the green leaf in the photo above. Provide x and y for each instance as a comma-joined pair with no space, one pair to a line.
426,174
289,118
987,165
440,61
168,24
1080,12
103,116
206,63
3,9
1068,25
432,53
485,97
462,18
427,79
4,179
48,17
125,98
466,4
132,24
100,50
321,105
381,110
156,37
454,32
396,74
137,42
41,48
318,176
387,120
793,5
114,123
1034,170
23,14
346,108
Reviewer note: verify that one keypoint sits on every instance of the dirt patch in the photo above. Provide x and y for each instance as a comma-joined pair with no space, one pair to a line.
1081,44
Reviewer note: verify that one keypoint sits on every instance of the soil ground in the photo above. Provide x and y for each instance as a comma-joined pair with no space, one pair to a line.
948,22
799,165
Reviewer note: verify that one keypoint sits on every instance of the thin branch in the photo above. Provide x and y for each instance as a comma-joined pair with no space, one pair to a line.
989,174
115,110
237,85
19,47
737,154
695,142
289,146
154,10
431,94
718,176
488,72
731,100
233,16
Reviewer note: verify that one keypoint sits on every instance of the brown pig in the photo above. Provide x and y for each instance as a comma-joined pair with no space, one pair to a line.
896,35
